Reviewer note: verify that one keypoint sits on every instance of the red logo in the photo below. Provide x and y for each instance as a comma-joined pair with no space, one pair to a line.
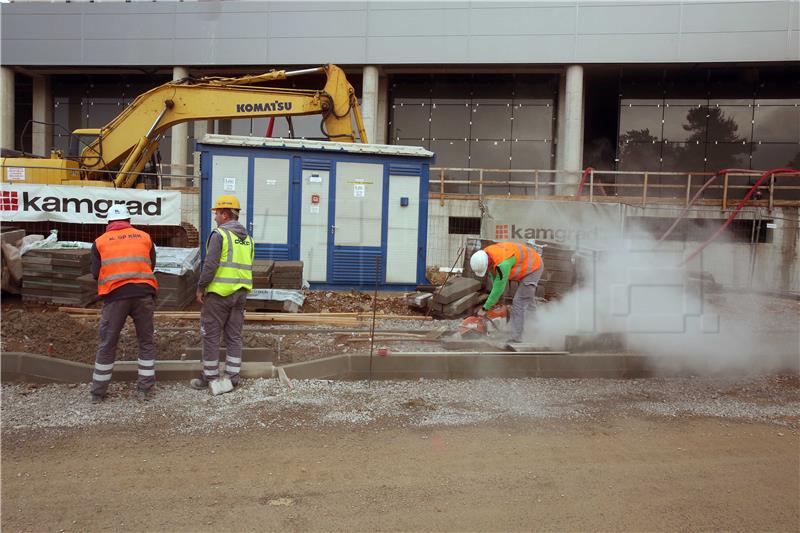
9,201
501,232
315,199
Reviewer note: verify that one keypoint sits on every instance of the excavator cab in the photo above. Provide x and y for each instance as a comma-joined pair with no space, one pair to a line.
80,140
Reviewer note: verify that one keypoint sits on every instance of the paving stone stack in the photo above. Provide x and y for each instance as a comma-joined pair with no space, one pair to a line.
176,292
457,297
559,271
262,273
287,275
58,276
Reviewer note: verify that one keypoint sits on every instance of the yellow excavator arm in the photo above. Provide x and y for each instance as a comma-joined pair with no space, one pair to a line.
128,141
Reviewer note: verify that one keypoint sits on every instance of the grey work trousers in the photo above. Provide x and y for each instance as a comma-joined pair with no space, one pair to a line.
524,301
222,315
112,320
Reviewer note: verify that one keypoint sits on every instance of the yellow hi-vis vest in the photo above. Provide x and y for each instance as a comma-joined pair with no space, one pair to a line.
235,269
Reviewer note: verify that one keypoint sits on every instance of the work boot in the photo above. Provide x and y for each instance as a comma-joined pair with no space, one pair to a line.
144,395
97,399
198,384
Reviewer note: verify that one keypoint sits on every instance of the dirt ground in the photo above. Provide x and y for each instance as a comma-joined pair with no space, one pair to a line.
42,329
635,474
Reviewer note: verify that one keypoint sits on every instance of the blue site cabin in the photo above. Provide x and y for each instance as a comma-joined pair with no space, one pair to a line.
353,213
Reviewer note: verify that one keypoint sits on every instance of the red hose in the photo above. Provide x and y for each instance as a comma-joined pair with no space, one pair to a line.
269,127
697,195
739,207
586,172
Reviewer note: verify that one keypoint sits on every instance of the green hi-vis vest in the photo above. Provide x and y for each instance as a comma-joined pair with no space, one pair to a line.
235,269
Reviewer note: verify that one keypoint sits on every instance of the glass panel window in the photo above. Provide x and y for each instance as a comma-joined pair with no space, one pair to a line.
685,123
777,123
730,123
727,155
774,155
532,155
450,121
641,123
451,153
640,156
491,121
411,121
490,154
533,122
682,157
305,127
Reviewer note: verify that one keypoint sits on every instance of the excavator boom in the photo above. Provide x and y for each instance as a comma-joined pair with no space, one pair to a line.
128,141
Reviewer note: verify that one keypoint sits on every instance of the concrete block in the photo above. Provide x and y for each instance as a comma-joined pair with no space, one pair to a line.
455,289
419,300
461,305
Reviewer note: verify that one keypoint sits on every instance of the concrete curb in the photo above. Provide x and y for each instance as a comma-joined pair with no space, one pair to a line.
18,366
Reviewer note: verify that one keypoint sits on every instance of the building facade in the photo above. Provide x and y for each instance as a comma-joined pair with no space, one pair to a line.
557,86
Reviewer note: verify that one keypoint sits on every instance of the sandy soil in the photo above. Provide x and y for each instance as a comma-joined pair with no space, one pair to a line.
476,455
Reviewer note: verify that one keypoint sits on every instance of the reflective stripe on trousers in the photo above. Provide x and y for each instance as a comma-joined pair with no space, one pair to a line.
112,320
222,316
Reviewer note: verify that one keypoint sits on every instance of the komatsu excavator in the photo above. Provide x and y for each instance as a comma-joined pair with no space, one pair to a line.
116,154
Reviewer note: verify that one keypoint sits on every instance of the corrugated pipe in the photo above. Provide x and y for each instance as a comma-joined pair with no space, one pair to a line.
739,207
697,195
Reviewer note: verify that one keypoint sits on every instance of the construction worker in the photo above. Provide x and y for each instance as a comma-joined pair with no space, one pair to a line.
509,261
225,280
123,259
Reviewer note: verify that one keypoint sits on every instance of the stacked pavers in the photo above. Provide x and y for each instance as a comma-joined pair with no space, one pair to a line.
287,275
262,273
176,292
59,276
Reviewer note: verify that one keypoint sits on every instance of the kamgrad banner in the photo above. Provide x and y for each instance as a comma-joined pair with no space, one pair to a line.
572,224
86,205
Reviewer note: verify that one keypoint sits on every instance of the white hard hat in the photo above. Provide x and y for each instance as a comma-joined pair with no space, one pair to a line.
479,262
118,212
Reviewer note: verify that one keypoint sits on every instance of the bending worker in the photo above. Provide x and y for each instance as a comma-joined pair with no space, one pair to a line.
225,280
123,259
509,261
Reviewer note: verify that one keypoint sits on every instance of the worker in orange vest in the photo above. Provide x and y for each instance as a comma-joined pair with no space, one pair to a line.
123,259
509,261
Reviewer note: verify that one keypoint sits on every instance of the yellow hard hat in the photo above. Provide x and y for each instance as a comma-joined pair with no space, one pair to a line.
227,201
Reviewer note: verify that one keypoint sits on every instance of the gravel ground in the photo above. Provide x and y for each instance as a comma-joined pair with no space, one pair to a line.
260,403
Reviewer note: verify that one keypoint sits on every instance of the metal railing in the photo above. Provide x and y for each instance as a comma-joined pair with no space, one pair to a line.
634,187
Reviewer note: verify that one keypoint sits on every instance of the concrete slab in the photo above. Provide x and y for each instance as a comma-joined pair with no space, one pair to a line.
455,289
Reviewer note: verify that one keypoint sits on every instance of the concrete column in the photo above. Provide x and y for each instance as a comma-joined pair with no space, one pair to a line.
560,122
180,134
382,123
572,138
7,108
201,128
369,101
42,112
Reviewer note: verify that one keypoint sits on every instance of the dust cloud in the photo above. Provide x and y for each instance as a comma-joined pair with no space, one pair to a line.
637,288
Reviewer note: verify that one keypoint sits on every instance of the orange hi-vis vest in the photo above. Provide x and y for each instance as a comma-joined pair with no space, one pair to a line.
528,260
124,258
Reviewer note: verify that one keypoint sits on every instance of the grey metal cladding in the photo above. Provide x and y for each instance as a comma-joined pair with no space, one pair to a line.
389,32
